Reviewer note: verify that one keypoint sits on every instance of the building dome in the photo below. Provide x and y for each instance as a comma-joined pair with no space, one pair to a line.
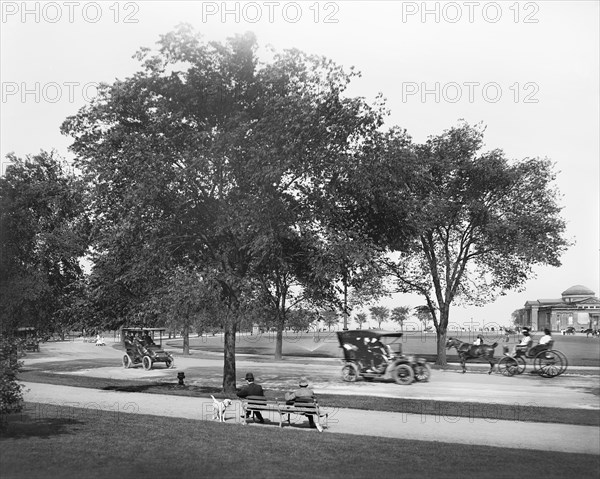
578,290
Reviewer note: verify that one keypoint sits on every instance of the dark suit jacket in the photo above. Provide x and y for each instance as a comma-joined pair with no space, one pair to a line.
251,389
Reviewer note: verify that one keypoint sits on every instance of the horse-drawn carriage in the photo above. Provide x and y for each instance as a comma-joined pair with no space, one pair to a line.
547,362
141,348
378,355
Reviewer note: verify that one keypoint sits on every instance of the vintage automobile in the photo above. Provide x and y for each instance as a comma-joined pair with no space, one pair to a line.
141,348
28,339
373,355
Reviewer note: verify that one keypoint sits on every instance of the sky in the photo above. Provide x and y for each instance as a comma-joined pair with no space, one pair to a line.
528,71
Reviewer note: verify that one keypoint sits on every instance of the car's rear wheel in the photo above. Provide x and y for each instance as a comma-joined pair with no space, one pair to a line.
127,362
147,363
170,362
403,374
350,373
422,372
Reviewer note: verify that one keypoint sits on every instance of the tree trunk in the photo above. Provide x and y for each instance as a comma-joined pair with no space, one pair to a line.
441,349
186,340
229,357
442,331
279,342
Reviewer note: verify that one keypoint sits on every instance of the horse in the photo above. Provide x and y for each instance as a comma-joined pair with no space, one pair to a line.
468,351
593,332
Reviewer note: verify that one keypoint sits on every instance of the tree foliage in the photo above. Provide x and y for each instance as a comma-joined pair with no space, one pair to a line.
11,392
380,314
43,237
400,314
479,222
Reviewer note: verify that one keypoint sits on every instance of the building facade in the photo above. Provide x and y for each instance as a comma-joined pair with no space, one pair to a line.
578,306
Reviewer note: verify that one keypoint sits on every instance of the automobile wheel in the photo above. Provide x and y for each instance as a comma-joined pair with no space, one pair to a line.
403,374
350,373
147,363
170,362
127,362
422,372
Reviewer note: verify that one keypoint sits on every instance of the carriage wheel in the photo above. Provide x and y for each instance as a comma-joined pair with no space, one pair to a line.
127,362
403,374
422,372
563,360
350,372
549,364
521,364
508,366
147,363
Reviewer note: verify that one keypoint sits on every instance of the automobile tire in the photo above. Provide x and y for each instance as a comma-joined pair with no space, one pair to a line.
403,374
350,373
147,363
422,372
170,363
127,362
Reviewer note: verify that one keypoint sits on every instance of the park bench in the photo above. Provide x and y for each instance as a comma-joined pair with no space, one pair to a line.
300,407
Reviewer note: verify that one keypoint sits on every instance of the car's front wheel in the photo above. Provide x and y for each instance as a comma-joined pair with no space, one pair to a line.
422,372
403,374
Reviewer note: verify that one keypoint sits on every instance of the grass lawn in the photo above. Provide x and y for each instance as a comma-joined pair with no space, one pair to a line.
77,443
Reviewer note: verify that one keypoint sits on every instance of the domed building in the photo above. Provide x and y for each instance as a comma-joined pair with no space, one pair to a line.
578,307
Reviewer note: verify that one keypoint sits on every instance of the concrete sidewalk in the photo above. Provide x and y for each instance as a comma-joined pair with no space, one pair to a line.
464,430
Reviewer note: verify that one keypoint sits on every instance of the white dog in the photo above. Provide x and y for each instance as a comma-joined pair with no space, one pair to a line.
219,408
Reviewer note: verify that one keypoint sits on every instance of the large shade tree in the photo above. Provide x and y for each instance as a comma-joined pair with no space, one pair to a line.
206,158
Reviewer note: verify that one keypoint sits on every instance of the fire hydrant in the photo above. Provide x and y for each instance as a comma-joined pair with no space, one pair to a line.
180,376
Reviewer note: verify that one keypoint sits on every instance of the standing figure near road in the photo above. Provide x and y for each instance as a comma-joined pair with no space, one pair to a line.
252,389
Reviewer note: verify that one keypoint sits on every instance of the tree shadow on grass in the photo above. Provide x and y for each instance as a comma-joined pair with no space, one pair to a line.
166,388
26,425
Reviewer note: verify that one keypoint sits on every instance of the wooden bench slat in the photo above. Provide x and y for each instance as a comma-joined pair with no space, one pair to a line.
308,407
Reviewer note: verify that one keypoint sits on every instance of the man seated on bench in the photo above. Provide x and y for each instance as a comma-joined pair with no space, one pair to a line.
303,394
252,389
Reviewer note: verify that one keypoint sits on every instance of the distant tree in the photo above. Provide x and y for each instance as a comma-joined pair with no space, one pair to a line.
301,319
330,318
400,314
379,314
519,317
360,318
424,315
